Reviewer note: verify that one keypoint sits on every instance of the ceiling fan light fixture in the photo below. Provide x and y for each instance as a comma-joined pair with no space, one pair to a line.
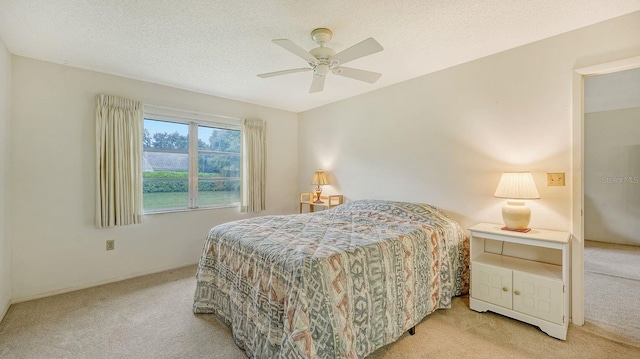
321,70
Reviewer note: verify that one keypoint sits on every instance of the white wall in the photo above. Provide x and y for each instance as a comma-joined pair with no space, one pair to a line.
612,157
612,91
612,176
5,243
445,138
55,244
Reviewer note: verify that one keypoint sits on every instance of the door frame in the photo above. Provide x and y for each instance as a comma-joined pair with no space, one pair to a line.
577,171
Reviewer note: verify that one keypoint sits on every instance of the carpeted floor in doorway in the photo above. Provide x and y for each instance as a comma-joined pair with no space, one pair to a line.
612,290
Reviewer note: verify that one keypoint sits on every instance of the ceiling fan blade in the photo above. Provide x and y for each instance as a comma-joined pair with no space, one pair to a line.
284,72
317,84
297,50
362,75
361,49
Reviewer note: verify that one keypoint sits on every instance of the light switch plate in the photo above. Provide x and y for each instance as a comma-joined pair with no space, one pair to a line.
555,179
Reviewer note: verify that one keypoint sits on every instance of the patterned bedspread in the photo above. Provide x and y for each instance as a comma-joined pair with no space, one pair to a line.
338,283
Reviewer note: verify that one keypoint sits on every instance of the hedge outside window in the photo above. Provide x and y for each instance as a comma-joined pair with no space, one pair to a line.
189,164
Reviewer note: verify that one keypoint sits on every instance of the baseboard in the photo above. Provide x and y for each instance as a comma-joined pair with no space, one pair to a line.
95,284
4,309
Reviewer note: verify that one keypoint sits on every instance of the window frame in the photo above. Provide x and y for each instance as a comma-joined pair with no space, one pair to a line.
193,120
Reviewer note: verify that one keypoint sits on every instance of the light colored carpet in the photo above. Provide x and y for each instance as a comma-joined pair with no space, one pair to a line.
151,317
612,290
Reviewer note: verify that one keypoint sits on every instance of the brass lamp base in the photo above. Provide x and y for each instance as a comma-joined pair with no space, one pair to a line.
318,193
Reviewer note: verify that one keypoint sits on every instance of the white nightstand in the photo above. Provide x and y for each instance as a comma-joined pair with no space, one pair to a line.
524,276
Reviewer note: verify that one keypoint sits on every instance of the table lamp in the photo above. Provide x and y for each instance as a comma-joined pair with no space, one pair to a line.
516,186
319,179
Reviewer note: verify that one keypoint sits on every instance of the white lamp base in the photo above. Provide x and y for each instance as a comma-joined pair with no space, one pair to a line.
516,215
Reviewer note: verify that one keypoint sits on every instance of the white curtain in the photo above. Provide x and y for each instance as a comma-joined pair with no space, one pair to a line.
119,130
253,174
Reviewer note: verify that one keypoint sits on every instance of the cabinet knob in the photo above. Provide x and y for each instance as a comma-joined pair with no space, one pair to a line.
517,292
505,289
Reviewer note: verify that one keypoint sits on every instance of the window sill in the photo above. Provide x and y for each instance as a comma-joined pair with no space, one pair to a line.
176,210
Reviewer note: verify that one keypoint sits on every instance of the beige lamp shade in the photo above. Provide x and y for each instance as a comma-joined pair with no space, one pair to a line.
319,178
516,186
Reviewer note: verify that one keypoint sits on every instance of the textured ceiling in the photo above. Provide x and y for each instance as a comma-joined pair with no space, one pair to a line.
218,47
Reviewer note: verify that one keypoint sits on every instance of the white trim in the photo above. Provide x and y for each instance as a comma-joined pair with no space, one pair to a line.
184,209
4,310
99,283
577,201
609,67
577,165
193,164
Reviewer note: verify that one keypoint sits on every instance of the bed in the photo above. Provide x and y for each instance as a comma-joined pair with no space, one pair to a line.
339,283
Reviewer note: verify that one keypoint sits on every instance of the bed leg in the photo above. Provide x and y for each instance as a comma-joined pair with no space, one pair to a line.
412,330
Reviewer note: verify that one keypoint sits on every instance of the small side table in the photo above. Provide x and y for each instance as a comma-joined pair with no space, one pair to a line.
328,201
531,285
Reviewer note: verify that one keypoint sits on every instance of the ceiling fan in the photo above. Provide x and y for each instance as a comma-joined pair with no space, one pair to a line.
324,60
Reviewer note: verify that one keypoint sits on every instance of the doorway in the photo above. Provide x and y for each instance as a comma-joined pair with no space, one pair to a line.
577,150
612,204
579,205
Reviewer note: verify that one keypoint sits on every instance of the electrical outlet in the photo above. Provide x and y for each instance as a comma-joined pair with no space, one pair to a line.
555,179
111,244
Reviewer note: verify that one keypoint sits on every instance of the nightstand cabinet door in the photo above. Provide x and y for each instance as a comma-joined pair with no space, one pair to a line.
538,296
491,284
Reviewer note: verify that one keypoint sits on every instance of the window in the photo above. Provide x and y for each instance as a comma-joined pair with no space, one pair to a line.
189,164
